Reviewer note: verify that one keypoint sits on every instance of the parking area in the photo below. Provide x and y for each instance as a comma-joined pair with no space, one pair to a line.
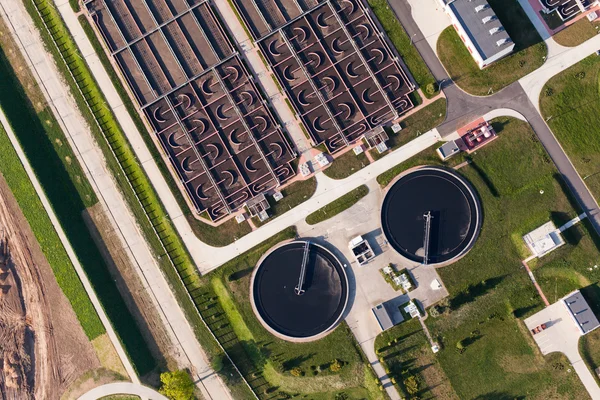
224,144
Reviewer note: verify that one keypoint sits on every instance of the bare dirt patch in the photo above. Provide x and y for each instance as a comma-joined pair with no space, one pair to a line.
43,349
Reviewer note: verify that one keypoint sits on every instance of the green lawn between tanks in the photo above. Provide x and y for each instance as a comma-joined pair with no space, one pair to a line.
530,53
489,291
294,194
346,165
577,33
70,194
218,236
337,206
405,351
420,122
173,258
402,42
266,360
570,103
23,190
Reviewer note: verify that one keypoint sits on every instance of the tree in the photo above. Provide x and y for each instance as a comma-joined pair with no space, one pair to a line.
177,385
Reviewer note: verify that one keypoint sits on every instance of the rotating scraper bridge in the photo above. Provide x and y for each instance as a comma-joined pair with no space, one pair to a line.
338,71
223,143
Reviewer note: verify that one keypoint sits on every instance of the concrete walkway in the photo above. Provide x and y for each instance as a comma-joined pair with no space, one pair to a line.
185,348
562,335
122,388
70,252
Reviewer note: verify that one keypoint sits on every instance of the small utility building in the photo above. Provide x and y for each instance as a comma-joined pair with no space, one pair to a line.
480,30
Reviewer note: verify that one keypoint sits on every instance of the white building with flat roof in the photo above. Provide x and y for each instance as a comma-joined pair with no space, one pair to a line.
480,30
544,239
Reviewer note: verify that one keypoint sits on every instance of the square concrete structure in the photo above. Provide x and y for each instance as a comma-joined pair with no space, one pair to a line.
582,314
381,314
544,239
480,30
223,143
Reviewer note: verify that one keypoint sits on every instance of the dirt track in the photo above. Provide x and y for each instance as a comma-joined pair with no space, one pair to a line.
42,346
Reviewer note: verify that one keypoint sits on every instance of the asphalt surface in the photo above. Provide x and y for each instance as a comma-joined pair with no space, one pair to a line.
463,108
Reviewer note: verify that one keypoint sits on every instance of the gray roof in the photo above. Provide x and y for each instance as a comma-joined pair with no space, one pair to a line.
478,32
382,317
581,311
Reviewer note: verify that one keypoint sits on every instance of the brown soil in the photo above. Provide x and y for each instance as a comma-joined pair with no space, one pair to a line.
42,346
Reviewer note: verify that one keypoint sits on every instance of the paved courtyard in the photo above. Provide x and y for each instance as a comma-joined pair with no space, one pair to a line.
562,335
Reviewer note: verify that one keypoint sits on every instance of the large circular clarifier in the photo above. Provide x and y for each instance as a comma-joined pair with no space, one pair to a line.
432,213
299,291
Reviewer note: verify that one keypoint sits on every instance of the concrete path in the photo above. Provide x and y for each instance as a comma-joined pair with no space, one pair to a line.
122,388
562,335
186,350
70,252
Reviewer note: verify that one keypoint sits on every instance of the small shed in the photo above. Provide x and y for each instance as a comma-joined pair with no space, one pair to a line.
376,137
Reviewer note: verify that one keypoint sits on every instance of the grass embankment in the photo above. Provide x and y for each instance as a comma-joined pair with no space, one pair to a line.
29,202
576,34
337,206
293,195
346,165
70,193
420,122
218,236
409,361
170,252
405,48
267,361
490,293
570,102
529,53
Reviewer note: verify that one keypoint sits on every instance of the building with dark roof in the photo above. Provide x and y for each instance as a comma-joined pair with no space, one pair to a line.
581,312
480,30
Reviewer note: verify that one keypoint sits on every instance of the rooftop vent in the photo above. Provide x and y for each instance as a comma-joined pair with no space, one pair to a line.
481,7
502,41
489,18
494,30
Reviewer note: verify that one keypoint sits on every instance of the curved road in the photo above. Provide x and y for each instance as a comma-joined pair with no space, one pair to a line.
463,108
122,388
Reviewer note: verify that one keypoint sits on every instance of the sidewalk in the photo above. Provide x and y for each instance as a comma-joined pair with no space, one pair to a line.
186,348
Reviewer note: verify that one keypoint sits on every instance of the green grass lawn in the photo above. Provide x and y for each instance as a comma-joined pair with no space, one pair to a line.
337,206
402,42
489,291
267,361
346,165
571,104
405,352
293,195
420,122
529,54
576,34
589,348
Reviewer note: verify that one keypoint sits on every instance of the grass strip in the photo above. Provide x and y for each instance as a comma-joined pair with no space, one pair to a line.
337,206
346,165
404,46
171,254
30,204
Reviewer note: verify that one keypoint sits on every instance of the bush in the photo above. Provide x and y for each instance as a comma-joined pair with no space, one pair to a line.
411,384
296,371
177,385
335,366
430,89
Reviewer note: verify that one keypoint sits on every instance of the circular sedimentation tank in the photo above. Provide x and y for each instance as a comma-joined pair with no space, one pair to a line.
296,303
444,198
